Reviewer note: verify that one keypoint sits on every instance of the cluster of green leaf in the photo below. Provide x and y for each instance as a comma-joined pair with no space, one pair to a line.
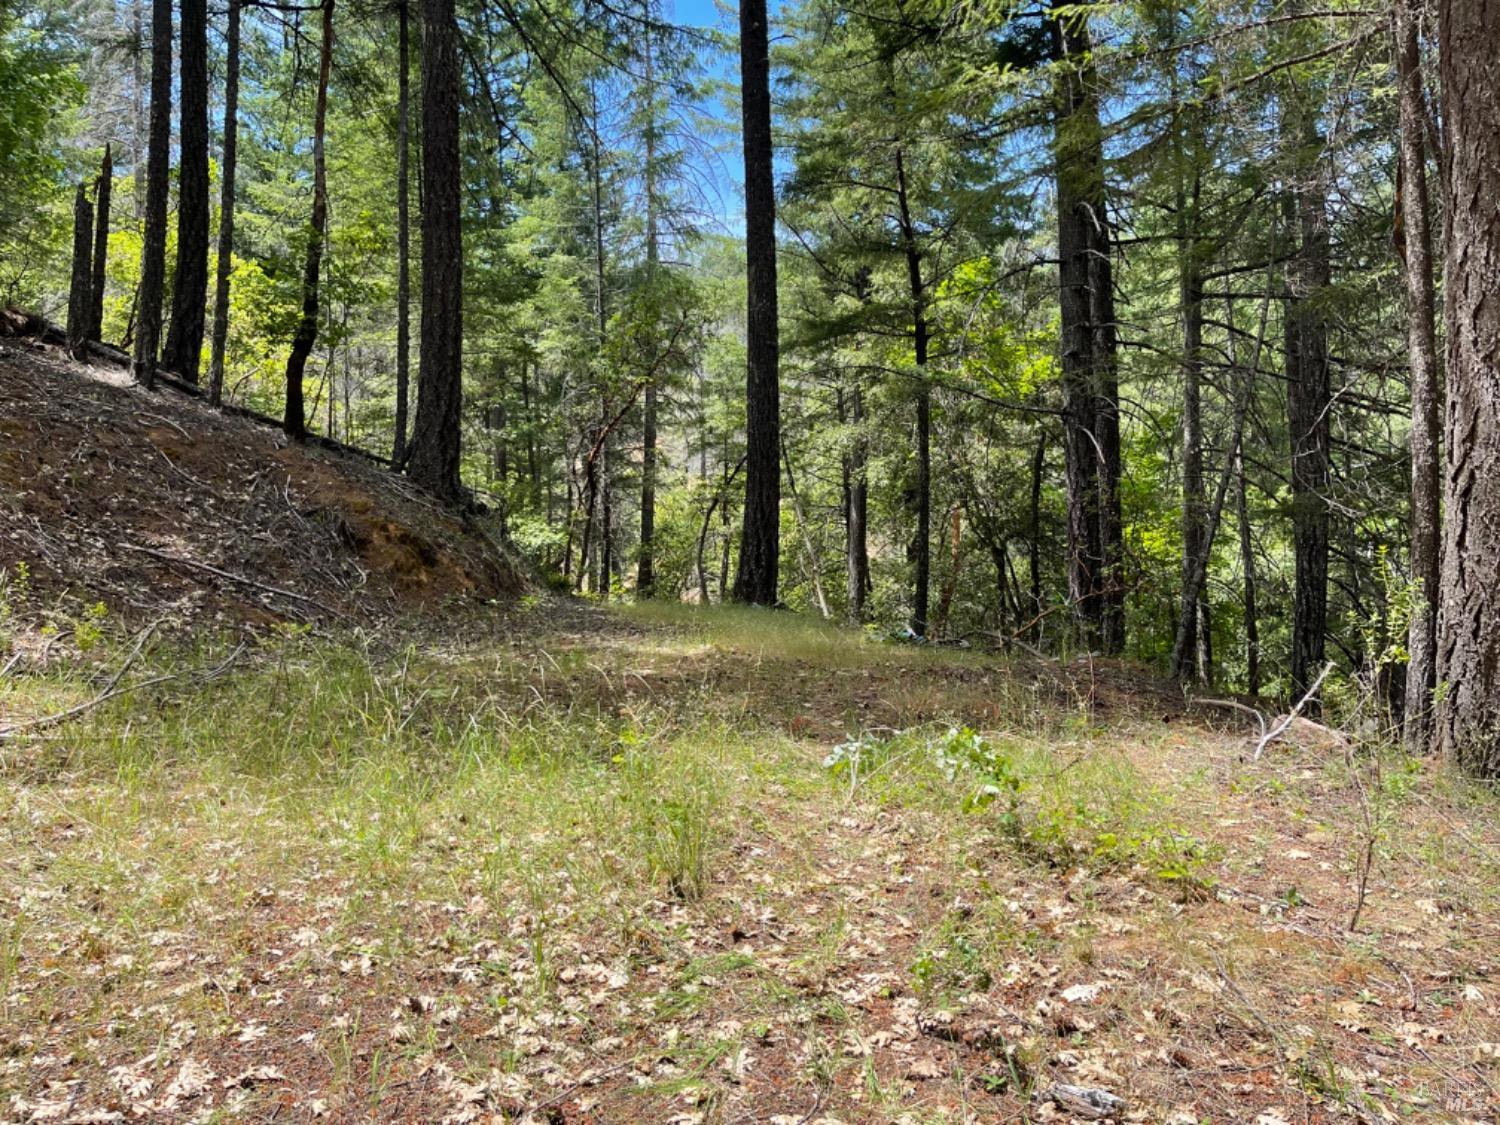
604,288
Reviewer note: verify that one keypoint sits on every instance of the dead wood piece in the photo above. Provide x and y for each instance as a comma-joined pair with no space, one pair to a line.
1085,1101
232,577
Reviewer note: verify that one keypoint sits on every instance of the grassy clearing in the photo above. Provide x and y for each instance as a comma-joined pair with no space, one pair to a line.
682,865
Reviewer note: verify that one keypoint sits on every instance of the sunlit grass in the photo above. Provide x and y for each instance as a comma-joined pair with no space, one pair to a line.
615,806
779,634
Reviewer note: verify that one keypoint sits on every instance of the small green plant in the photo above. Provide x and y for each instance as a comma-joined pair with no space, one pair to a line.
15,591
88,630
952,961
965,753
671,806
1100,816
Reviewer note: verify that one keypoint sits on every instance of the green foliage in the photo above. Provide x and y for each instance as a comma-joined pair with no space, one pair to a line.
602,258
670,802
1096,813
88,628
952,960
39,75
15,590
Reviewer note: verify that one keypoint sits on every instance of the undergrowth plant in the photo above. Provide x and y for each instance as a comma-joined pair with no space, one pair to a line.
670,801
1095,811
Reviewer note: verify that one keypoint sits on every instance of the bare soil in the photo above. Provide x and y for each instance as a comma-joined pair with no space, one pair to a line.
110,492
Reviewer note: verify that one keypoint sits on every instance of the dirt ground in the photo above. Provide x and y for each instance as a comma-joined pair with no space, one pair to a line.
479,940
165,509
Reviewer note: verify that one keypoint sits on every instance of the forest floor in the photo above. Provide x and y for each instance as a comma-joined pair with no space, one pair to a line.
693,865
161,508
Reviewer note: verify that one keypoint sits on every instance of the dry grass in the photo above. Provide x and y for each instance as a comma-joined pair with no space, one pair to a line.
598,871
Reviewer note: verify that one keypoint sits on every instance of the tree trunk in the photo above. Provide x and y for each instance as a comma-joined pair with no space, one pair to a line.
403,230
1000,556
1075,152
590,492
1426,495
154,243
138,126
183,351
1468,718
80,288
814,572
1194,502
1307,372
645,575
532,472
1307,404
1107,398
708,515
225,262
955,561
1034,554
101,245
295,422
1247,564
606,525
857,512
599,452
434,457
760,536
919,553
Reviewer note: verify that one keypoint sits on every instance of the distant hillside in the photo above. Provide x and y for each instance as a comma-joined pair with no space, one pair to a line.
158,505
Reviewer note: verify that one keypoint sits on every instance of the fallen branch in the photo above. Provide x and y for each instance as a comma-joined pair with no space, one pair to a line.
184,474
168,421
113,691
1236,705
109,691
232,577
1291,716
74,712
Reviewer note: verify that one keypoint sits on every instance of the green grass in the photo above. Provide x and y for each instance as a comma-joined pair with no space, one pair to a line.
780,635
614,841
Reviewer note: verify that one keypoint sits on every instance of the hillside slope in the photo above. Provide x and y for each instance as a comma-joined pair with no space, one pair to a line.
160,506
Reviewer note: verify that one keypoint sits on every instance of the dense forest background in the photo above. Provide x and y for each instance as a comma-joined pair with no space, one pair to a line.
1099,326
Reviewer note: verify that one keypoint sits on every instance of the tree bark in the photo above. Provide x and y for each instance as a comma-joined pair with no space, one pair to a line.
857,512
1034,553
606,525
303,342
101,245
184,347
154,243
403,230
645,575
1308,395
1247,564
760,536
435,452
919,553
955,562
1468,716
1076,150
1194,501
1421,334
225,261
80,288
1107,396
138,126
